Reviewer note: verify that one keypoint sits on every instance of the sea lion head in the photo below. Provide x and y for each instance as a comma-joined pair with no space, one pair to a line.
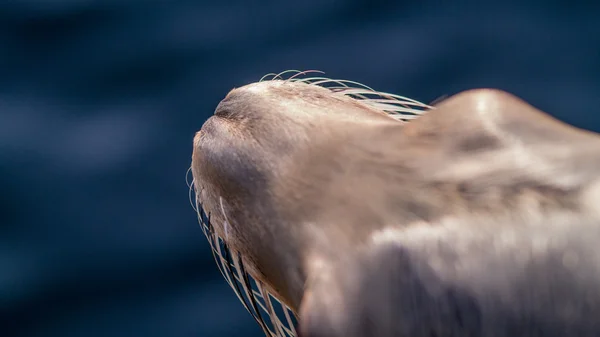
248,157
384,216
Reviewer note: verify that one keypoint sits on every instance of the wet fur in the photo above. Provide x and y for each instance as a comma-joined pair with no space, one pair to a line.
479,218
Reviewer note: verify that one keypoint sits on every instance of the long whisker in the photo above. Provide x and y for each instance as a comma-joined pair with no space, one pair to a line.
396,105
301,73
286,72
267,75
226,222
191,194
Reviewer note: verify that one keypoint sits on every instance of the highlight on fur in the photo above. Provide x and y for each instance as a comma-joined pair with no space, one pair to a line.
274,317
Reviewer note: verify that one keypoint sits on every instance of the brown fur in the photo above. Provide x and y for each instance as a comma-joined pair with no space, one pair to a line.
480,218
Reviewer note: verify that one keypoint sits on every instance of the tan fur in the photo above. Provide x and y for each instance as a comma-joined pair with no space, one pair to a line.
349,213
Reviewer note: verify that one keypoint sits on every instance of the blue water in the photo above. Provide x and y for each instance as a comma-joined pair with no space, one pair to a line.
99,102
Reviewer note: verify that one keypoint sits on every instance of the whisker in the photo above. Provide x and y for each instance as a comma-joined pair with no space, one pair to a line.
226,222
191,188
191,196
264,77
285,72
301,73
187,174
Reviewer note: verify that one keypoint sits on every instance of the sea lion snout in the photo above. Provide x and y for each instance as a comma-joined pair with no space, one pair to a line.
262,164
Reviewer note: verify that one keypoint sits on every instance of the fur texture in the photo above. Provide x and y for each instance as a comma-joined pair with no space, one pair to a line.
478,218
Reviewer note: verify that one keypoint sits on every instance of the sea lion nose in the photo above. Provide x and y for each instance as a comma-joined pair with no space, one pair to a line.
242,102
229,108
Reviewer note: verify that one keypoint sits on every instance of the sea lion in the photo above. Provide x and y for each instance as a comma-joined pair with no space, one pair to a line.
479,217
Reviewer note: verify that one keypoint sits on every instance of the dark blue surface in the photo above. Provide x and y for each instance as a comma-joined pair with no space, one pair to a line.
99,102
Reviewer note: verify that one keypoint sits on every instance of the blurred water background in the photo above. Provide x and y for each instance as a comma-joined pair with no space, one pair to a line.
100,100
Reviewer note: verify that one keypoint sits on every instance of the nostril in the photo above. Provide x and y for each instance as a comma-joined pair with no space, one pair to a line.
232,106
223,109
